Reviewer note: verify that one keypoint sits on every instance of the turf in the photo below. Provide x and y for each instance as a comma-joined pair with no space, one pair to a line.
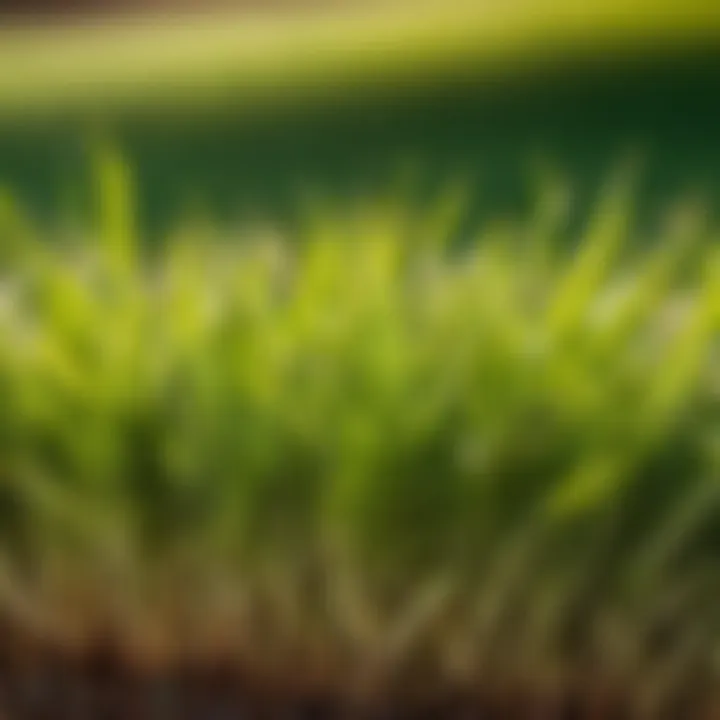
363,455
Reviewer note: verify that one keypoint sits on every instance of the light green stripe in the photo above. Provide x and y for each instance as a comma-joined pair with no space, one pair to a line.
155,63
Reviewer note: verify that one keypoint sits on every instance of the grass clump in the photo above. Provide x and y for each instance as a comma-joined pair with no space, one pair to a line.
365,454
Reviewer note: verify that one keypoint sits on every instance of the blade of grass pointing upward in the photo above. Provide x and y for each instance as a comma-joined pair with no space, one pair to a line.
116,207
593,260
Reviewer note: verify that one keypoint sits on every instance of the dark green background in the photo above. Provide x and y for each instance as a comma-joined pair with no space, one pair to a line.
584,121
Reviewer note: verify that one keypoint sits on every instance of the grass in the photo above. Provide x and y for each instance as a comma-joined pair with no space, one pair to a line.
250,61
365,453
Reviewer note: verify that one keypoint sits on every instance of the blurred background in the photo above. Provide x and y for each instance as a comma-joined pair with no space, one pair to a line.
243,108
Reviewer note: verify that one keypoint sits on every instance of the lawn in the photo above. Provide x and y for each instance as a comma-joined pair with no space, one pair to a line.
359,461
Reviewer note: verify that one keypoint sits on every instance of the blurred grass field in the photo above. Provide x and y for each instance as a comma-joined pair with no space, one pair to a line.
203,60
245,115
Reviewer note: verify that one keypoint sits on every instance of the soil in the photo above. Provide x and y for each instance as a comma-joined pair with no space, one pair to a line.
47,685
63,693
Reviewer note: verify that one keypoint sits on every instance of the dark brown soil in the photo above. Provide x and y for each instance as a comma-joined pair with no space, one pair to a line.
41,684
70,696
65,695
99,675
